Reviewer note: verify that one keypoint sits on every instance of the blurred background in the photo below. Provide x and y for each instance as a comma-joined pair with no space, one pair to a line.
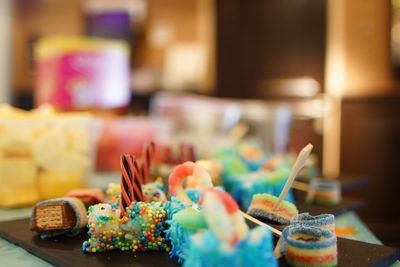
296,71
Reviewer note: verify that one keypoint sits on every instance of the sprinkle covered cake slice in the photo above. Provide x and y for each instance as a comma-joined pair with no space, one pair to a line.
262,206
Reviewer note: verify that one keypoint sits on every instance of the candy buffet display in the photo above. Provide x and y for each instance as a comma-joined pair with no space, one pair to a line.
196,222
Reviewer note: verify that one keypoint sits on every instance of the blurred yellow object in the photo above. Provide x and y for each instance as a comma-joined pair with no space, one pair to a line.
43,153
56,184
51,45
18,173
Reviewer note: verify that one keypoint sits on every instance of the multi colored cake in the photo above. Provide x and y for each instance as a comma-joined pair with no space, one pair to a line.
140,230
262,207
243,187
324,192
133,224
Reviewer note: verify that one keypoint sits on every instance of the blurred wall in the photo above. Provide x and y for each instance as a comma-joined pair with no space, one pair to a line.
5,46
358,64
36,18
178,22
362,125
369,70
272,48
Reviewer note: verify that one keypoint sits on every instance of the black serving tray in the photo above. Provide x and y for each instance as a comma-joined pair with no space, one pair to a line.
64,251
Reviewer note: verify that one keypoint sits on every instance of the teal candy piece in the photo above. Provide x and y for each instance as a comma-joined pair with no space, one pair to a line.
191,219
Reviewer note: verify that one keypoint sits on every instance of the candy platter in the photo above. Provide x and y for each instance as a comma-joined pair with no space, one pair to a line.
63,251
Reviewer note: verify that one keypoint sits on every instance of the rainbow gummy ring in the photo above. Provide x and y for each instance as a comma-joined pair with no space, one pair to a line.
322,221
324,192
308,246
261,207
223,216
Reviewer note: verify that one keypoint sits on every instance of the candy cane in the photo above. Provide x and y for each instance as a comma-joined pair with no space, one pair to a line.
223,216
202,180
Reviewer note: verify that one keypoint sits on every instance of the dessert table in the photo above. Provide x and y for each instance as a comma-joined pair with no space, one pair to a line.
12,255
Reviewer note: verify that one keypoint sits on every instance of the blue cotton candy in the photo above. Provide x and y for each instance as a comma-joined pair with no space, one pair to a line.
173,206
179,238
255,250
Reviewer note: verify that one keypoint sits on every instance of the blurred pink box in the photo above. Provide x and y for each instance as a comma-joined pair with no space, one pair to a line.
82,73
127,135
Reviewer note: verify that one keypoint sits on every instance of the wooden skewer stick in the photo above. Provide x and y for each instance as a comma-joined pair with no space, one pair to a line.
299,163
254,220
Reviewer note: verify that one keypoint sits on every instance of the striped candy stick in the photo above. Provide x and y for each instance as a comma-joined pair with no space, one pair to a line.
136,179
125,184
148,153
130,185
